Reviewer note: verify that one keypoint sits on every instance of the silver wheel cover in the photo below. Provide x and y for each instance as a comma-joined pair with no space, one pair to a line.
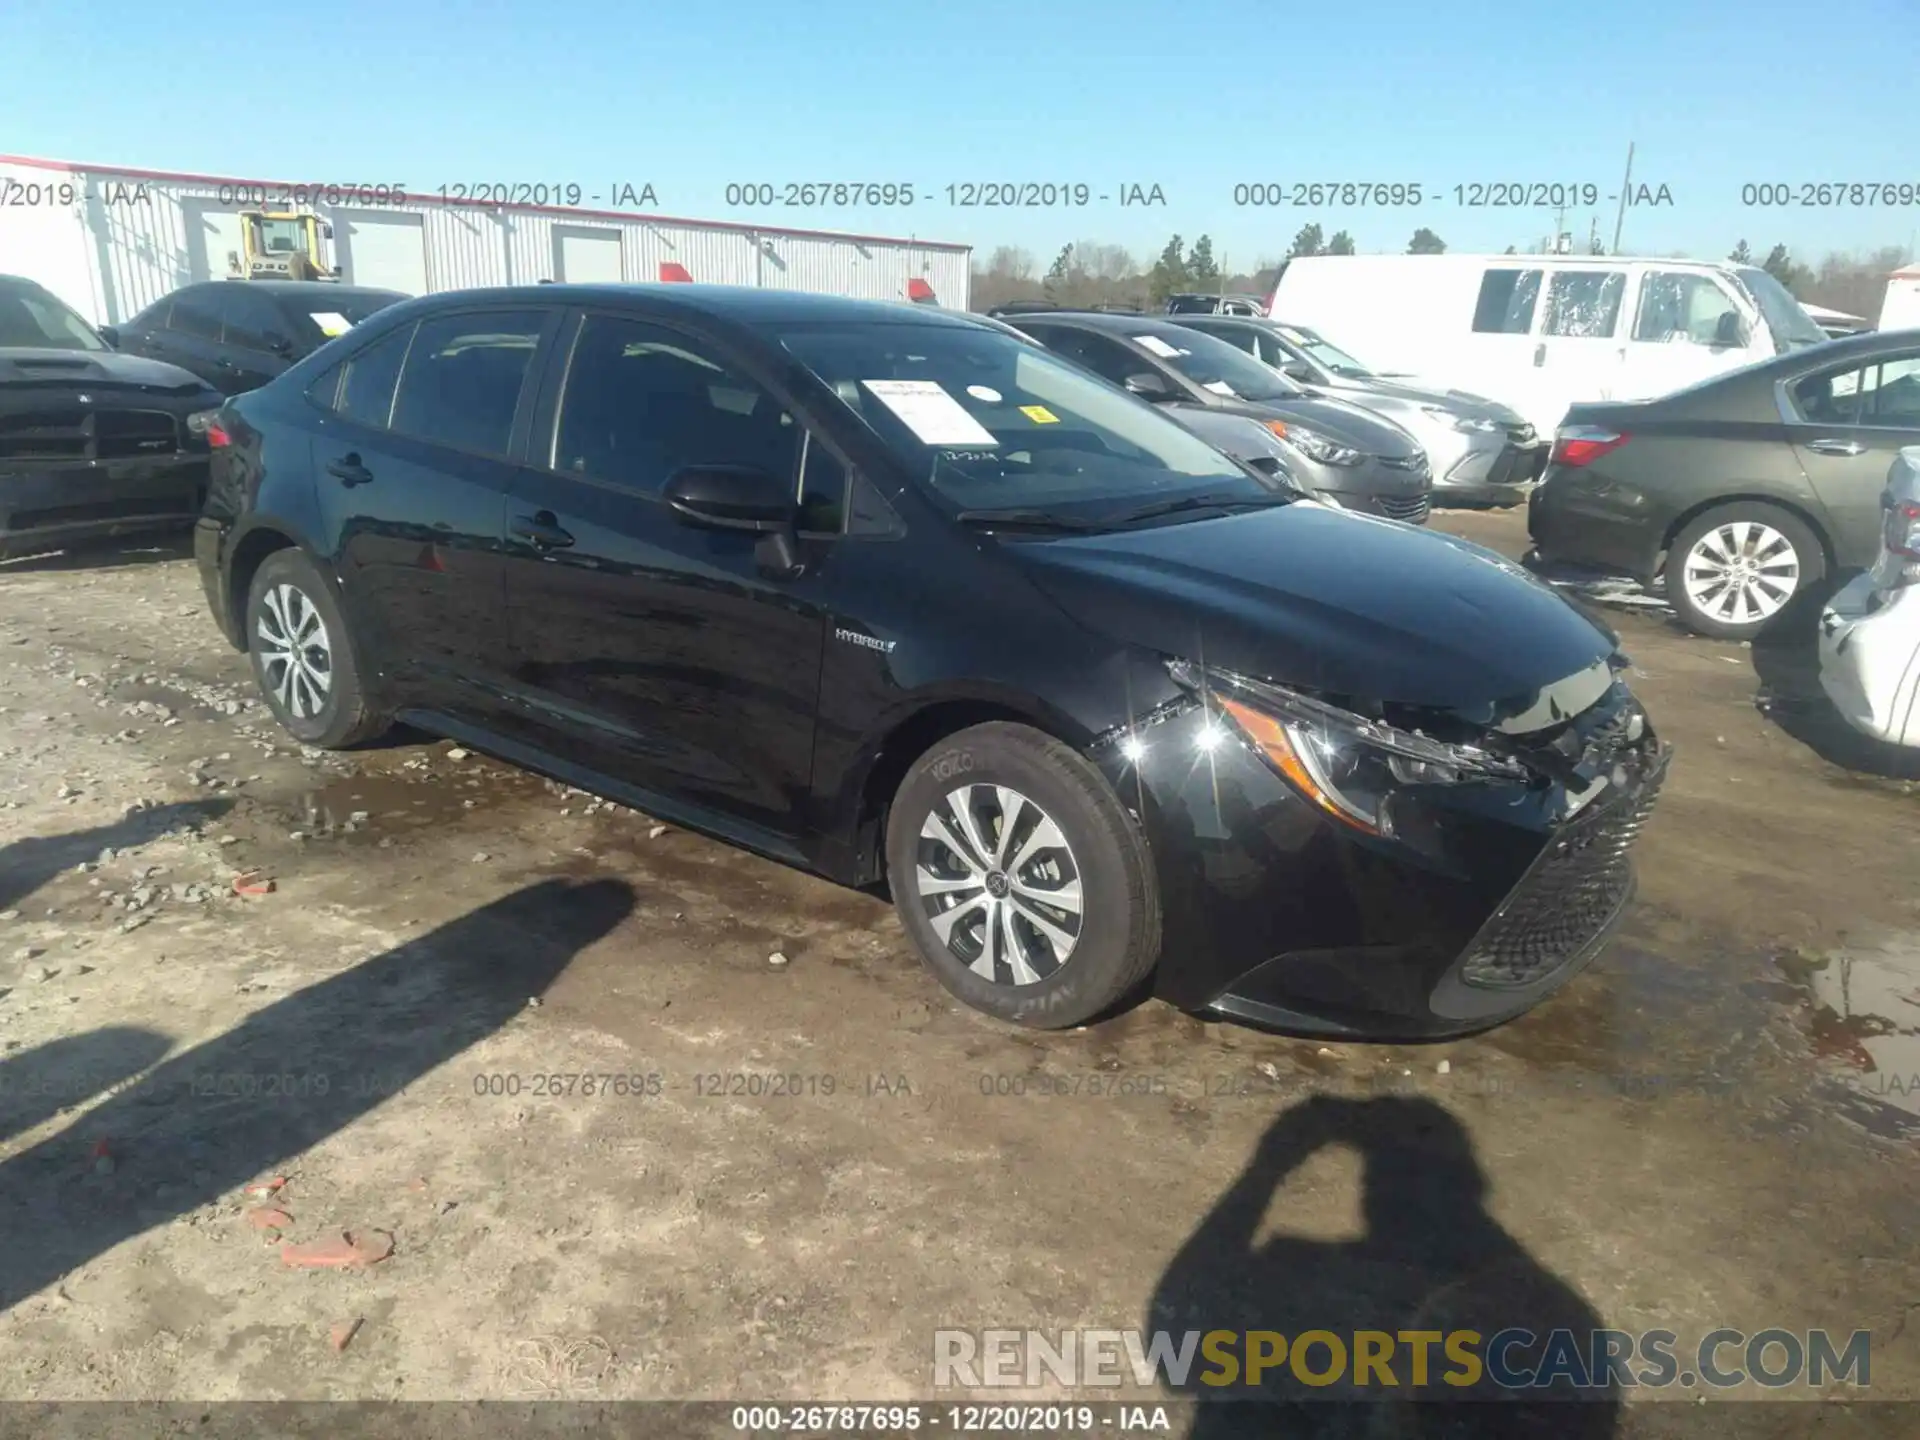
999,884
296,654
1741,572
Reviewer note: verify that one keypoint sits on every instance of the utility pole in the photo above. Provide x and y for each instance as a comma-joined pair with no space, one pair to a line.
1626,186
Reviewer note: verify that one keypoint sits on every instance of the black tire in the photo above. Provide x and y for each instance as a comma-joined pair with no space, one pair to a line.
1809,560
285,584
1116,937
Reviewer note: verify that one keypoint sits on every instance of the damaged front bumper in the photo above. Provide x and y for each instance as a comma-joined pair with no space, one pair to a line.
1487,898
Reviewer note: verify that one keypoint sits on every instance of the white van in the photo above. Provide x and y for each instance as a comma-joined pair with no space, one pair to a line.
1542,332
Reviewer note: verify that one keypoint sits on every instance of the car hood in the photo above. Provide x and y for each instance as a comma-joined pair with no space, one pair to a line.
106,369
1460,402
1338,420
1339,603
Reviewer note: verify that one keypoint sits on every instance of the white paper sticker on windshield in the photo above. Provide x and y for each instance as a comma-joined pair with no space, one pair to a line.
332,324
1221,387
986,395
1157,346
930,412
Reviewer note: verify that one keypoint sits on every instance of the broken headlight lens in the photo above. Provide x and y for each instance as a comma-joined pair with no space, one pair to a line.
1346,764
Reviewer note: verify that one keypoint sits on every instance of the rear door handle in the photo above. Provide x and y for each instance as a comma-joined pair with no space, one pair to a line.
350,472
1540,354
1837,447
542,531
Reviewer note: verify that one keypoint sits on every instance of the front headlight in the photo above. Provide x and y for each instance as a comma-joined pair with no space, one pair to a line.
1476,425
1314,445
1346,764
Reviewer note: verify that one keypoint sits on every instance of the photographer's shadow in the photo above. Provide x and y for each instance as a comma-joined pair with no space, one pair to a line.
1432,1259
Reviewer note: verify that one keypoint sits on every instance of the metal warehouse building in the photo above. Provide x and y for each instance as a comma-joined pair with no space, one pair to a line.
112,241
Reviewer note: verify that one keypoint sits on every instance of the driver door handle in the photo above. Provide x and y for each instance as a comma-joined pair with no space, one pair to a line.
542,531
1837,447
1540,354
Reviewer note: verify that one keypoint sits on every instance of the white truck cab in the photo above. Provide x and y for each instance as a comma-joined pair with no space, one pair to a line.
1542,332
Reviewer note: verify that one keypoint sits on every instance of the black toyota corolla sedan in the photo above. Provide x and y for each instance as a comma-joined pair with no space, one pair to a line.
892,595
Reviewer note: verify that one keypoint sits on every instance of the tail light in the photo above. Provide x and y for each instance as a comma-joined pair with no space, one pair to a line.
1578,445
1900,536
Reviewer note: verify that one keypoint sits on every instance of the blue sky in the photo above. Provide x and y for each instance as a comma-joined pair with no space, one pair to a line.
1193,97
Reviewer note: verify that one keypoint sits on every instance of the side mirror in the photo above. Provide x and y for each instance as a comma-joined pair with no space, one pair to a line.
111,335
1732,330
731,497
1149,386
1298,370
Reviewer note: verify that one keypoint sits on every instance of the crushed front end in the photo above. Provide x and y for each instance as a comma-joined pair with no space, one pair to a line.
1340,867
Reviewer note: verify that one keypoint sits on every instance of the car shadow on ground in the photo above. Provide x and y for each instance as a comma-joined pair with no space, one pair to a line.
37,1084
1431,1259
234,1108
100,554
26,865
1786,658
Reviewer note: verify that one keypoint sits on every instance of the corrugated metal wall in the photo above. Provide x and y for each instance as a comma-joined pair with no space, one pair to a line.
134,238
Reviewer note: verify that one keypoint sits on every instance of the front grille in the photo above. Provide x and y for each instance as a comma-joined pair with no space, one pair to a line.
1412,508
1565,900
77,432
1415,462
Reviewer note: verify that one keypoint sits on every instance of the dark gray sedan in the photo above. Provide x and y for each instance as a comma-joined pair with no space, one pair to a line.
1338,452
1741,491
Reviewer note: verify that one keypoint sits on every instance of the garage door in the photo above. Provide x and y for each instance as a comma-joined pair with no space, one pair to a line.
586,256
385,251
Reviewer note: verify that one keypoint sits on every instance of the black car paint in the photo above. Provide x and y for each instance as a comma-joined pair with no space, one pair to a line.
95,444
1733,437
243,357
663,665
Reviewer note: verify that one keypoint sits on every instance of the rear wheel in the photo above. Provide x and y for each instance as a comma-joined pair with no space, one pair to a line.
303,657
1733,569
1022,882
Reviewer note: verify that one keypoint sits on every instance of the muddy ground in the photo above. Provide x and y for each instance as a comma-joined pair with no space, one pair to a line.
1714,1126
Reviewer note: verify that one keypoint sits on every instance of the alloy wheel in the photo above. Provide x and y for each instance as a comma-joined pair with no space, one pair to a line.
999,884
1741,572
296,656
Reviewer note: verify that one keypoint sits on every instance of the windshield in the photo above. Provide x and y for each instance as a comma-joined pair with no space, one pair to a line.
338,312
994,423
1214,364
32,319
1791,326
1323,352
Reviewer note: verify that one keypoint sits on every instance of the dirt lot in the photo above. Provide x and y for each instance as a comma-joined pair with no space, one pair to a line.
1713,1127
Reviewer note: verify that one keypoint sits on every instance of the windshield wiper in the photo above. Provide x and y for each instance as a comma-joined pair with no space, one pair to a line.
1201,502
1028,520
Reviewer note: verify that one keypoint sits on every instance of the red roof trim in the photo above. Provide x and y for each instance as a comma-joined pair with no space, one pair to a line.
730,226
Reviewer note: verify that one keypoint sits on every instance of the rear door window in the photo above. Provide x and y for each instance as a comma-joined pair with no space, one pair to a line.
364,392
1507,301
247,319
461,383
1584,304
1884,394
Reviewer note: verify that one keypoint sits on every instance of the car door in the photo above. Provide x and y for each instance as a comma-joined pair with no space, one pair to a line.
663,653
1578,345
191,339
1848,423
251,327
1500,355
412,459
1686,326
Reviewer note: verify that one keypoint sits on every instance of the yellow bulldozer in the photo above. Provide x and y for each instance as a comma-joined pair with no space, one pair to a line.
281,245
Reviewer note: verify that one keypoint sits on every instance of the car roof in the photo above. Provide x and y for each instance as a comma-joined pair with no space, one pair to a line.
300,289
742,304
1135,324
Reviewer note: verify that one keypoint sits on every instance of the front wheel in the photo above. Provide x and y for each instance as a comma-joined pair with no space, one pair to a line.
304,658
1734,568
1024,885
